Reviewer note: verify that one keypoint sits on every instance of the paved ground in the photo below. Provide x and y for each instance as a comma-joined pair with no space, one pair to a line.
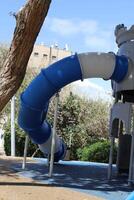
90,178
15,187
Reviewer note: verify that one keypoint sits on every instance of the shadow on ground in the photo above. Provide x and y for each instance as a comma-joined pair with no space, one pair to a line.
83,176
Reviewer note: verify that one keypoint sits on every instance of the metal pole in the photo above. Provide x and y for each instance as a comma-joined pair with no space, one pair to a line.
25,152
131,167
53,136
111,158
112,138
35,152
130,178
13,126
120,133
48,159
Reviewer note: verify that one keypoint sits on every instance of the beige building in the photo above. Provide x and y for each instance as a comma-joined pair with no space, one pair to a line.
43,55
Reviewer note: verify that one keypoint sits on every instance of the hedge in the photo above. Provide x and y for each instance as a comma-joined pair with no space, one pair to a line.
97,152
19,142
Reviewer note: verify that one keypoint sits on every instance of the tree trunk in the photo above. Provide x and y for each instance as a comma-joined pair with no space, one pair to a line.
28,24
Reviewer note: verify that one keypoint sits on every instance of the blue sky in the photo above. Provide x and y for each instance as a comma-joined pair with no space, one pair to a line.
83,25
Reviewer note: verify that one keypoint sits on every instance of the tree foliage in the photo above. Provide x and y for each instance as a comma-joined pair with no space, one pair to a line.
19,142
81,122
3,54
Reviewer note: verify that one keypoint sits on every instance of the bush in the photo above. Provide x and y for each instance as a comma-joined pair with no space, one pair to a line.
80,121
19,142
97,152
3,53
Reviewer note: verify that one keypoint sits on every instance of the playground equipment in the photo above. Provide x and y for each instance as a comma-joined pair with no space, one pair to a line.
35,99
119,68
122,116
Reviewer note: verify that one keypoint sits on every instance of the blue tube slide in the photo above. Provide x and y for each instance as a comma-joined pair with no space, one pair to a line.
35,99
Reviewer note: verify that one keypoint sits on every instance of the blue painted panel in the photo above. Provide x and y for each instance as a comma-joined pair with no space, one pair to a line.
121,69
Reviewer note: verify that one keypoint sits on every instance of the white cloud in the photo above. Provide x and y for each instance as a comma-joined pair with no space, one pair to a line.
63,27
103,40
66,27
98,43
88,26
93,35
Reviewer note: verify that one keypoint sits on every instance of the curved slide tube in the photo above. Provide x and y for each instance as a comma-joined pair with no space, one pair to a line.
35,99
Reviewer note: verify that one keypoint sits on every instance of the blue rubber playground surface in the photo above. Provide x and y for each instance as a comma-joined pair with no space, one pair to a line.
86,177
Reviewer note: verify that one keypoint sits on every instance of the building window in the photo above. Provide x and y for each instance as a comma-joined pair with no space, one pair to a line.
45,56
36,54
53,58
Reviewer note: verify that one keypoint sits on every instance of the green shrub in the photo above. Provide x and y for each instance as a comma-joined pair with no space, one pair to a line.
97,152
80,121
19,142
